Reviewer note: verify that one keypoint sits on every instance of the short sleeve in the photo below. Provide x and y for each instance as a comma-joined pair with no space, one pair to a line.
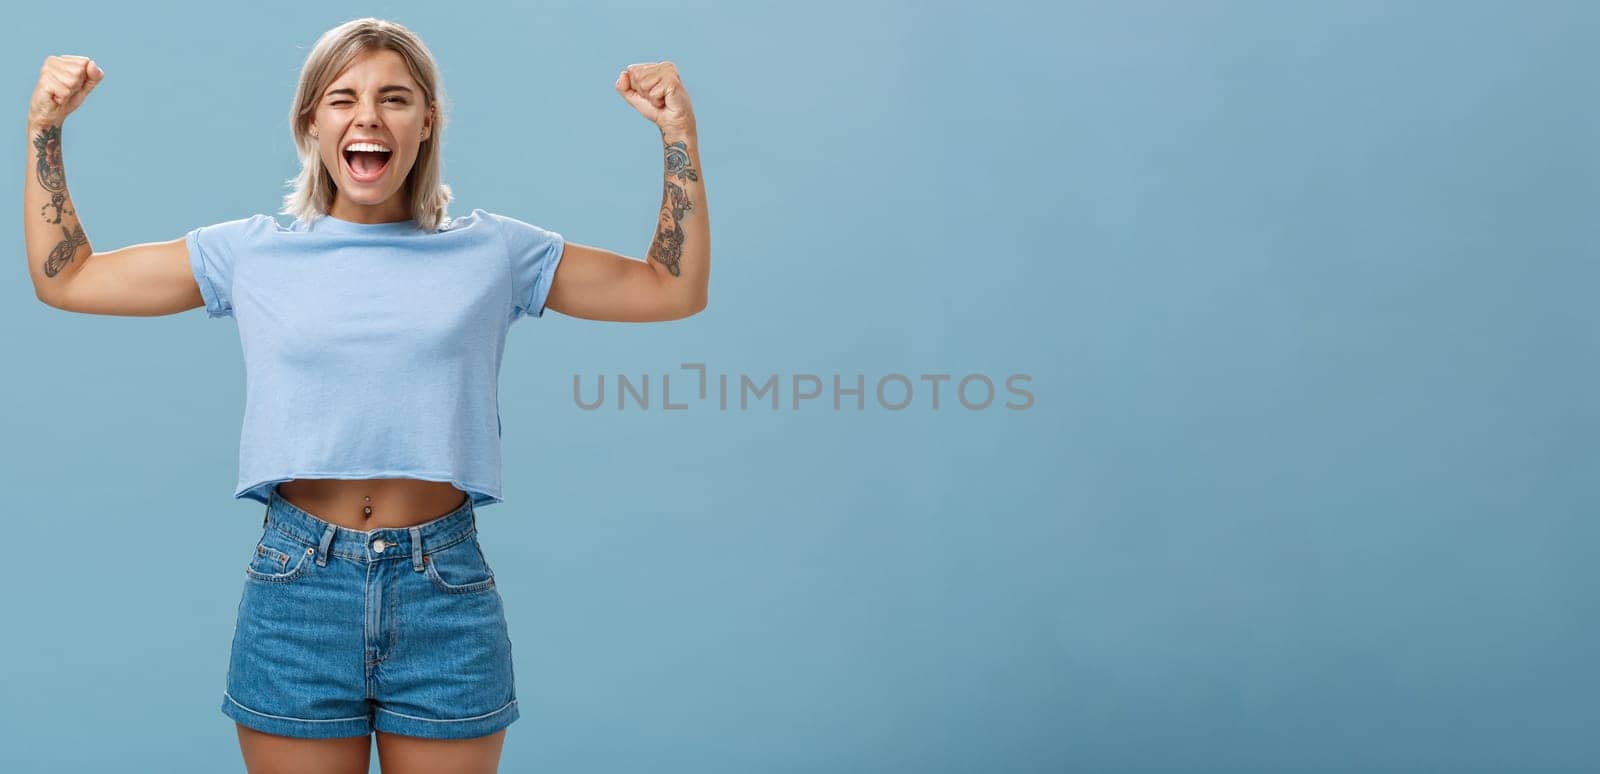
535,253
213,252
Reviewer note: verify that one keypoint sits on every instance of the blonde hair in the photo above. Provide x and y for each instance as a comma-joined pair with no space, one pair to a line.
313,189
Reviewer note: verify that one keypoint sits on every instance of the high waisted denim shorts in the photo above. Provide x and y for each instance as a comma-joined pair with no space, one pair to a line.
342,632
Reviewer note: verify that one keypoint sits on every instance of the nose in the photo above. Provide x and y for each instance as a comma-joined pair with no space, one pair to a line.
366,113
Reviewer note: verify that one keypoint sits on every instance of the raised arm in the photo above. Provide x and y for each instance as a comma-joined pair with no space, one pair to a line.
672,282
144,279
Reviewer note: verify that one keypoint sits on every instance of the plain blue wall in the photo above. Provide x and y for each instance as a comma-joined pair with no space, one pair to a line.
1304,291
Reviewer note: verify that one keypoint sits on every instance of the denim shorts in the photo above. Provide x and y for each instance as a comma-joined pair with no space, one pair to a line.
343,632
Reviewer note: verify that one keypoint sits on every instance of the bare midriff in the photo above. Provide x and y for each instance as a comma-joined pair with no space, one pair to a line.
373,503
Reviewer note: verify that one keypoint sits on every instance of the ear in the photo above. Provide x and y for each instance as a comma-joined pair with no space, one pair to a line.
427,123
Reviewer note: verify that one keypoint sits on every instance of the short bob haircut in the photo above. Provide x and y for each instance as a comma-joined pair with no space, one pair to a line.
313,188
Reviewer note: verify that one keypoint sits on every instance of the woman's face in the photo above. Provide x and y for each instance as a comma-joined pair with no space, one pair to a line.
375,101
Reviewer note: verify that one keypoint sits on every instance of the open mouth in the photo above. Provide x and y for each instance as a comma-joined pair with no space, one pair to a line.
366,166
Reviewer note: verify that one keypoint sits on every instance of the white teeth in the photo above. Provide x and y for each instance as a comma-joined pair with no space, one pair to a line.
367,146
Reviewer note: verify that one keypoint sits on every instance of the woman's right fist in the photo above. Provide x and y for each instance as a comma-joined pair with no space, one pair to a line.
64,81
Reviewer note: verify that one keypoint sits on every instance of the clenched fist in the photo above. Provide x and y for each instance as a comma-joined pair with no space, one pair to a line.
653,88
64,81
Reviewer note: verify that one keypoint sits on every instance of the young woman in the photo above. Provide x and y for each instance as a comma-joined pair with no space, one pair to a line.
373,328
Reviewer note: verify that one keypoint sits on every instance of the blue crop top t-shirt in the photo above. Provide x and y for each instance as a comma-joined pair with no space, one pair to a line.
373,350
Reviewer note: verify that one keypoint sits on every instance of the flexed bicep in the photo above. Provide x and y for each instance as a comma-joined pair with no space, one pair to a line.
597,284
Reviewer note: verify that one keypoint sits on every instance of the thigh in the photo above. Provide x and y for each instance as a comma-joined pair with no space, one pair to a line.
447,671
266,753
296,665
399,754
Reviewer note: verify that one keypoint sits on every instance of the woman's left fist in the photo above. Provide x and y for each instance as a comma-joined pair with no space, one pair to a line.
653,88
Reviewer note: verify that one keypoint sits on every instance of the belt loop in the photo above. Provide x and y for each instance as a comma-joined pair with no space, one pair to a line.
327,540
416,549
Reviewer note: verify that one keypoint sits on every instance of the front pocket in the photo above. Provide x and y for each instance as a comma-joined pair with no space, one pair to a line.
459,568
278,558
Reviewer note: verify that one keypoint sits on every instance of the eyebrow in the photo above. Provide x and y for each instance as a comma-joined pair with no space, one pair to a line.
352,92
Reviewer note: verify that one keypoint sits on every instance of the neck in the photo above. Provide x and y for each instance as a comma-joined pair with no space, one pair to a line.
389,211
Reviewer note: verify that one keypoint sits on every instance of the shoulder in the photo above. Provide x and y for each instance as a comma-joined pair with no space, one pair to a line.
518,234
256,231
238,230
257,221
505,223
514,235
477,218
521,234
267,224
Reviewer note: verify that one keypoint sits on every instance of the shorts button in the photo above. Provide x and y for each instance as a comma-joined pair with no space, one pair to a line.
378,546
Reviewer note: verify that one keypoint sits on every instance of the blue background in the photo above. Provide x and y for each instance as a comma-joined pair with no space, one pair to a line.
1305,292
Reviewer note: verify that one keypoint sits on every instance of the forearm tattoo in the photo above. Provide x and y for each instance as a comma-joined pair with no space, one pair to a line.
53,177
64,250
675,203
677,161
50,172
